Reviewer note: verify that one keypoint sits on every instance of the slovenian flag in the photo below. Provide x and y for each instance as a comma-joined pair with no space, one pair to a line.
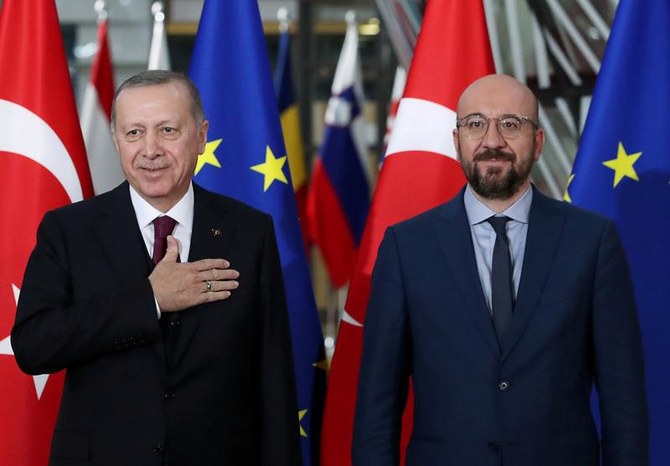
339,194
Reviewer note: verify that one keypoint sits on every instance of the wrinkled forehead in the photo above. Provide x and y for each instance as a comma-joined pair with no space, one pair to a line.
148,104
497,95
172,91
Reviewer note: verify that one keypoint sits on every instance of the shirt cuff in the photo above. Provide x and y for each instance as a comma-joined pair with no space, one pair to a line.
158,309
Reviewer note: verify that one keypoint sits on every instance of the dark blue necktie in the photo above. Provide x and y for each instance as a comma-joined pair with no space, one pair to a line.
502,294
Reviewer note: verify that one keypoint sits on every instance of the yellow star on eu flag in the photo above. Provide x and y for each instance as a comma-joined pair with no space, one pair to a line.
623,165
208,157
301,414
566,194
272,169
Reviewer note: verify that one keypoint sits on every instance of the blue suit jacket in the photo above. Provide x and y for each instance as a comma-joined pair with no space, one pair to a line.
574,325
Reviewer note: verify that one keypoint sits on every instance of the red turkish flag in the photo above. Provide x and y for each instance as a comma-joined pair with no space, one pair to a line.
420,171
42,166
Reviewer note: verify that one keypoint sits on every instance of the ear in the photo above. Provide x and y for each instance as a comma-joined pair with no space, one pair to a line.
116,142
202,136
457,146
539,143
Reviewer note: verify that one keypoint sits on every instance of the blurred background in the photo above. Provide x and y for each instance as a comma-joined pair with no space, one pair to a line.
554,45
348,62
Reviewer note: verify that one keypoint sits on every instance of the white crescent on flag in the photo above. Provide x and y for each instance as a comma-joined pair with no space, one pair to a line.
26,134
40,380
422,125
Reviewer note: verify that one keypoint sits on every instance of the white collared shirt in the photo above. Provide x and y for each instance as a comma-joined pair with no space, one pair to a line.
182,212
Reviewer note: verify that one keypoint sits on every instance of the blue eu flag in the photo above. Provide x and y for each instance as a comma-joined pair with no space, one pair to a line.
622,170
245,158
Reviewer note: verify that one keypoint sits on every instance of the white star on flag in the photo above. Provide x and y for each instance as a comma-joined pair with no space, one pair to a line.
40,381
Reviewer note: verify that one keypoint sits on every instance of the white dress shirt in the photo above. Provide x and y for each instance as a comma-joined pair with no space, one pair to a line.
182,212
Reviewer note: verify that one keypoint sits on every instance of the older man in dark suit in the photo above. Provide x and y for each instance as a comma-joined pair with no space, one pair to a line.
164,364
504,307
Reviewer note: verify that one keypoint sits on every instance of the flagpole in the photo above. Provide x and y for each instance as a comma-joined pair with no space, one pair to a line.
158,53
100,8
158,12
284,19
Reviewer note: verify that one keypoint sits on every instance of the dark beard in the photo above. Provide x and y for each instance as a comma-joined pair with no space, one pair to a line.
493,184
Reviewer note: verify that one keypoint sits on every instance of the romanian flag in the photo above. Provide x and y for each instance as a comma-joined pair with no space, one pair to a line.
288,113
245,158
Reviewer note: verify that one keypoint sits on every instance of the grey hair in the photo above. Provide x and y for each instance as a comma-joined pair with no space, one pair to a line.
156,78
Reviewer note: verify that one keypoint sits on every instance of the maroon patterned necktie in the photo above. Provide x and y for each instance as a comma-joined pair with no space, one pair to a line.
163,227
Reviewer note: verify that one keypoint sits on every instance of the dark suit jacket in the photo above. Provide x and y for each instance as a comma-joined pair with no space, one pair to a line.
574,324
222,391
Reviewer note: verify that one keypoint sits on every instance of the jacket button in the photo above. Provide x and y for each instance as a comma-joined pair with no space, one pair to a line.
174,323
169,395
158,449
493,447
503,386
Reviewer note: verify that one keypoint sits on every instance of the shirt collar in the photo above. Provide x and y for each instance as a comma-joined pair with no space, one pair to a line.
182,211
478,212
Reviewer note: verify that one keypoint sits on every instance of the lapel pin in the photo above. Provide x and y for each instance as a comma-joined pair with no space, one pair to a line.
216,232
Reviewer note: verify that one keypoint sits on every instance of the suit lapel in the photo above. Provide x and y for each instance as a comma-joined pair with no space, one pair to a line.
544,230
122,241
213,231
120,236
455,238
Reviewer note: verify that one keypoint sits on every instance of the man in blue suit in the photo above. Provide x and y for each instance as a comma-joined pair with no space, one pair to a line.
496,385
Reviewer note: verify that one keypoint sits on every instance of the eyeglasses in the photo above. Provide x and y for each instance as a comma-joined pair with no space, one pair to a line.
475,126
